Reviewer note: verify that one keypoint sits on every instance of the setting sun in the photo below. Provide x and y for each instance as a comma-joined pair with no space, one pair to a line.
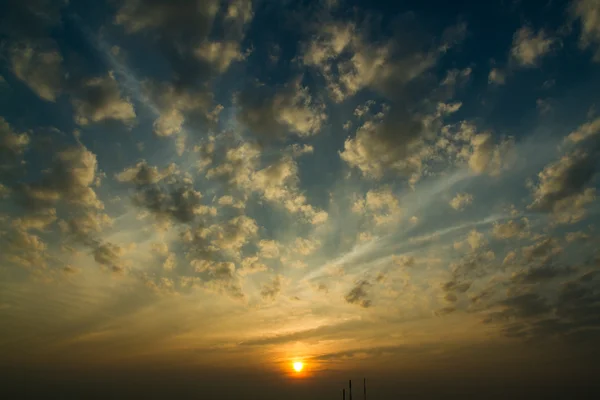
298,366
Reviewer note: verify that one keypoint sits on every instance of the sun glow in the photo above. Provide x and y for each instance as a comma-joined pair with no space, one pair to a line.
298,366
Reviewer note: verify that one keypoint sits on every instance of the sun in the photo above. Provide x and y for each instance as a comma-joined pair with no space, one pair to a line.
298,366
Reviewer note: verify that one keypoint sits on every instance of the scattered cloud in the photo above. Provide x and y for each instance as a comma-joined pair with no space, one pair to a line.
358,294
271,114
588,12
100,99
39,66
461,200
529,47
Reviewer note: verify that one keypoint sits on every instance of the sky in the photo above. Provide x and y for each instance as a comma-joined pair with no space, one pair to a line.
194,195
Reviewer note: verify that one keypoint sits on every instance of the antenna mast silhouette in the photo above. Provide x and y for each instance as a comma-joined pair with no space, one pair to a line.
350,388
365,388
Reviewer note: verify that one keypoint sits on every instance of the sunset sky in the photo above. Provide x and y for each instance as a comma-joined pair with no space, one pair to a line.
196,194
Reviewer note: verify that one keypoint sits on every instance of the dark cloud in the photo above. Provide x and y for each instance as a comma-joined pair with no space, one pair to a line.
272,112
358,294
542,274
12,146
587,12
181,203
70,178
541,251
572,313
99,99
453,286
109,255
34,57
30,18
183,30
474,264
371,352
520,306
39,65
164,192
563,180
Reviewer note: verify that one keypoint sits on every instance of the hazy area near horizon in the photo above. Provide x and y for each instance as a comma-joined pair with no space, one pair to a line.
263,199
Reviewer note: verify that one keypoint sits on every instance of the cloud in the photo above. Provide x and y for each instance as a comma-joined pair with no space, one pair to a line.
85,224
565,187
377,147
219,54
276,182
39,221
473,264
24,249
349,63
272,113
571,237
219,276
511,229
39,66
588,131
474,240
12,144
175,104
404,261
164,193
358,294
393,140
569,315
305,246
233,234
380,204
461,200
109,255
454,286
497,76
70,178
271,290
251,265
561,187
541,274
143,174
196,53
528,48
542,250
184,32
588,12
99,99
31,19
520,306
269,248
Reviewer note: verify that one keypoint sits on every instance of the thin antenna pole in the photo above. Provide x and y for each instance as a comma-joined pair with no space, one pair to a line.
343,394
350,388
365,388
